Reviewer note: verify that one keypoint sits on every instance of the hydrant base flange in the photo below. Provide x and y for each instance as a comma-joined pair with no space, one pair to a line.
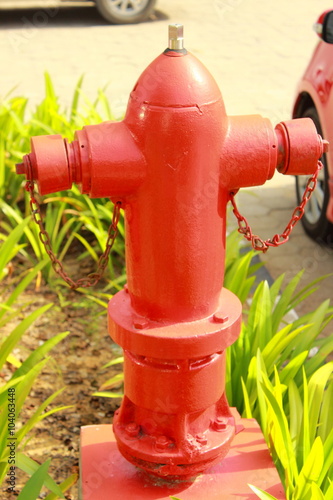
106,474
168,432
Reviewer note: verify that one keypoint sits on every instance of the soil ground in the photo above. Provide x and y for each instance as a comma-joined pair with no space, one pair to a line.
75,364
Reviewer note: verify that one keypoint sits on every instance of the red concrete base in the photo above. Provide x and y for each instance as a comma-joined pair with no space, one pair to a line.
106,475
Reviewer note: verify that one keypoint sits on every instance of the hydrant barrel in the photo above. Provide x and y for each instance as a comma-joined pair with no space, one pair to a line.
179,210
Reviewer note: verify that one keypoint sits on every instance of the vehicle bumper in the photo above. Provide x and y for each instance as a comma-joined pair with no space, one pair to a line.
329,212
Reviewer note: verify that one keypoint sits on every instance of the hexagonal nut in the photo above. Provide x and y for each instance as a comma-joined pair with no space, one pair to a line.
162,443
132,429
140,323
201,438
220,423
220,317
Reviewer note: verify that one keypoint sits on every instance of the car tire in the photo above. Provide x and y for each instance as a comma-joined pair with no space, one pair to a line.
314,220
125,11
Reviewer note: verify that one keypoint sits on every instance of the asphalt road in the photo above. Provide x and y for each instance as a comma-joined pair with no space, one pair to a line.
256,49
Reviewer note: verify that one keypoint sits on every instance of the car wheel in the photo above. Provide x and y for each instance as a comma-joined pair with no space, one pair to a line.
314,220
125,11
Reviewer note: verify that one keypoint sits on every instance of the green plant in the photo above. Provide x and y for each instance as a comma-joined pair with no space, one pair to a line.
282,345
68,216
15,390
277,373
115,380
297,424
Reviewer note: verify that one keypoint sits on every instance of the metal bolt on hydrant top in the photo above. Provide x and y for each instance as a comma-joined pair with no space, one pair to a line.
172,165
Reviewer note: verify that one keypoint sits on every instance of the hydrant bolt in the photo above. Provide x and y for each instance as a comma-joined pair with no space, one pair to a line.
201,439
220,424
220,317
132,429
140,323
162,443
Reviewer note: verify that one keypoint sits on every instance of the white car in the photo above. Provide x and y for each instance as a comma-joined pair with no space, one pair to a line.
125,11
114,11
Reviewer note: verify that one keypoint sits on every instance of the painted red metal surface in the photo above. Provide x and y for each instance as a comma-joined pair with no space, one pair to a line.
107,475
174,419
172,163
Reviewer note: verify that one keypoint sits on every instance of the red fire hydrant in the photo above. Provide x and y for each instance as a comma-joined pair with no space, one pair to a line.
173,163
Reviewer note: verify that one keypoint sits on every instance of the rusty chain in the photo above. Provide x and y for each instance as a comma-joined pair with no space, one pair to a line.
92,278
278,239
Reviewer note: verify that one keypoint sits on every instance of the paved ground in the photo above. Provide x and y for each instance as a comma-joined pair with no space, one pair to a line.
256,50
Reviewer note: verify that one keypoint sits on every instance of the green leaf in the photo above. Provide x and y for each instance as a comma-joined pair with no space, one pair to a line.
30,467
108,394
119,377
247,411
87,245
306,443
32,488
25,282
282,442
311,470
328,457
8,345
76,97
296,415
237,280
261,395
316,493
307,290
11,359
115,361
39,353
289,372
325,425
329,492
318,317
7,247
37,416
325,349
263,495
275,289
283,304
279,343
260,317
22,391
317,384
64,486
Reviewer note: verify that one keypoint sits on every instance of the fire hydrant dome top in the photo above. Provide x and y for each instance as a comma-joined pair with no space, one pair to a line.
176,78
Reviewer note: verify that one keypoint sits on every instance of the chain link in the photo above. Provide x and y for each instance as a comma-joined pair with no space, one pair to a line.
278,239
44,237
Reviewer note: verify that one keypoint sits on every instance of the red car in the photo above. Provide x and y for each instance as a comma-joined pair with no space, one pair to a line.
315,100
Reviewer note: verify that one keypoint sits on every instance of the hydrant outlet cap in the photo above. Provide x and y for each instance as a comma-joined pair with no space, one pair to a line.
49,164
300,147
